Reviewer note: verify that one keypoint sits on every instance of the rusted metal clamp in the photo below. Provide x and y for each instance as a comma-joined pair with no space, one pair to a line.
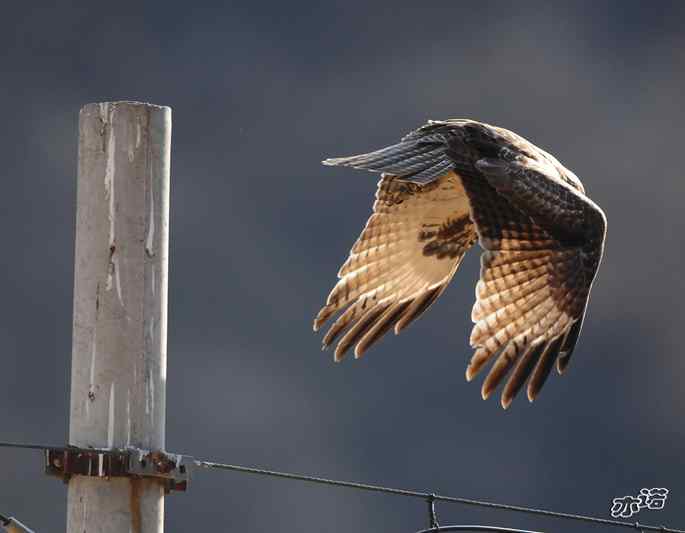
172,469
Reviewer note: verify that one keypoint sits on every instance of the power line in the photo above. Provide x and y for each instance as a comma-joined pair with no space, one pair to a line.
437,497
473,528
26,446
427,496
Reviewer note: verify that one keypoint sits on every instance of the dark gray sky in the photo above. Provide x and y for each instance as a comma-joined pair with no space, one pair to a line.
261,92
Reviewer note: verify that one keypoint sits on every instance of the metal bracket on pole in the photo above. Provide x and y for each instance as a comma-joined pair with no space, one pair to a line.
172,469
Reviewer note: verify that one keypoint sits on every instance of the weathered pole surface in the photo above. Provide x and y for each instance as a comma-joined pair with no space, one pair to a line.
118,375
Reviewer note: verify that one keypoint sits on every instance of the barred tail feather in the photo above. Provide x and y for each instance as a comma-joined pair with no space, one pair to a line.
414,160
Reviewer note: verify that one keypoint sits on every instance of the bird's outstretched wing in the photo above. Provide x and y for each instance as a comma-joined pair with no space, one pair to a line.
403,260
543,241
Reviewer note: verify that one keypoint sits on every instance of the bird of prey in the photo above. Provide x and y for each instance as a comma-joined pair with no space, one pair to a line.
443,187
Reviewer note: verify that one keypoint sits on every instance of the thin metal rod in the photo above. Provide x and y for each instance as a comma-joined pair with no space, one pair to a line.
432,513
314,479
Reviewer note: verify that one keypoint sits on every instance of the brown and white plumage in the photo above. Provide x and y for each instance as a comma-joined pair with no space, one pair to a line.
443,187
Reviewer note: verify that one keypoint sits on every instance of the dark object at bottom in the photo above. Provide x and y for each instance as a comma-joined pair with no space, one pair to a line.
474,528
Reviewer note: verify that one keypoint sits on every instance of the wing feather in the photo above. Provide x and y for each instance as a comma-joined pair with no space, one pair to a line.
404,258
536,271
542,368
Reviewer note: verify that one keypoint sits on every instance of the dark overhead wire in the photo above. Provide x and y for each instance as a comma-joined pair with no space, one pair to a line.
26,446
437,497
475,528
426,496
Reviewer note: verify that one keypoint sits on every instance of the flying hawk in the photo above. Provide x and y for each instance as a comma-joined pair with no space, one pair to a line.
443,187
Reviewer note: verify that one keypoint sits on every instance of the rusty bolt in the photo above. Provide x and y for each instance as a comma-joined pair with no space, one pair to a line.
161,462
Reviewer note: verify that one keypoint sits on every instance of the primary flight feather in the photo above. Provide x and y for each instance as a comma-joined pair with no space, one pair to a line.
443,187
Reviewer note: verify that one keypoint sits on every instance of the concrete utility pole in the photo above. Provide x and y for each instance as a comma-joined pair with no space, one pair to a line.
118,375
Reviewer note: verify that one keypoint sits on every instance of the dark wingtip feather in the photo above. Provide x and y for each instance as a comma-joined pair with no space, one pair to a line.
380,328
358,329
418,307
498,370
568,346
520,374
543,367
562,363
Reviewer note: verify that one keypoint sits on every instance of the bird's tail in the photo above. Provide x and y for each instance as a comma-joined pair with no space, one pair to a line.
419,160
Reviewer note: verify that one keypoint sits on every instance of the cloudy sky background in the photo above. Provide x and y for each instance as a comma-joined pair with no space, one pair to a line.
261,92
